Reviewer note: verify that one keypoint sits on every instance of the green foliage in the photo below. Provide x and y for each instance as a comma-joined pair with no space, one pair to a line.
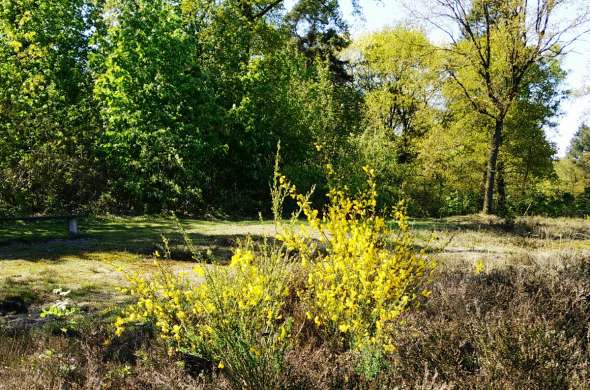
574,169
580,144
62,311
147,106
396,68
565,193
455,154
48,120
156,105
428,143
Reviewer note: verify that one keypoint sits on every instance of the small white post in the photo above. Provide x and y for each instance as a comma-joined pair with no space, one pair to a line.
73,227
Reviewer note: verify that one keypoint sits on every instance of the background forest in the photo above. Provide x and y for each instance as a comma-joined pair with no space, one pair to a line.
136,106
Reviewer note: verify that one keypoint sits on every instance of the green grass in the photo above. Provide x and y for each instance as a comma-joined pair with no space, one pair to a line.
465,309
37,257
48,240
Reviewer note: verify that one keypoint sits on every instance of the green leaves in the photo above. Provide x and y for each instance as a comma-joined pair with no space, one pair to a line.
47,119
161,104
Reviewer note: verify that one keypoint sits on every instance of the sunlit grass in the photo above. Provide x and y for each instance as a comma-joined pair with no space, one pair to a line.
36,258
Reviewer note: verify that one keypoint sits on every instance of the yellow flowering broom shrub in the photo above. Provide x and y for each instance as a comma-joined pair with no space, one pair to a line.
233,318
360,277
361,274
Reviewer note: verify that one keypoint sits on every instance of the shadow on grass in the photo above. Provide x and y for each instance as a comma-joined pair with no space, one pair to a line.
546,229
47,240
105,229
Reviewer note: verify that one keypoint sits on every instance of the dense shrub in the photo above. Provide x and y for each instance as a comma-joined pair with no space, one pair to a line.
237,318
552,203
356,288
460,203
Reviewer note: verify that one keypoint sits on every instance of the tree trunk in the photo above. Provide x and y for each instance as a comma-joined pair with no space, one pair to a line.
500,182
488,201
482,189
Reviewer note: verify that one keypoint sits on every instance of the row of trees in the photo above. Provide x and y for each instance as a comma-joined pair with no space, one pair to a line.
141,106
147,105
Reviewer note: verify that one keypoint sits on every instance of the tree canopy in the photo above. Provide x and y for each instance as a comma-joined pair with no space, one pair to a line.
135,106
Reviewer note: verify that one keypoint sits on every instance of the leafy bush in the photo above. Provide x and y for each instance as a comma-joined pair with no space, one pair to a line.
459,203
356,286
233,319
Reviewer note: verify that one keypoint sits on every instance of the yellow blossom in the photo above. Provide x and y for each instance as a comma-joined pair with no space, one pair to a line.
358,286
343,328
479,266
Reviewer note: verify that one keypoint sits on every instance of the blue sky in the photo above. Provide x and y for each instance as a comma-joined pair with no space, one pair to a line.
377,15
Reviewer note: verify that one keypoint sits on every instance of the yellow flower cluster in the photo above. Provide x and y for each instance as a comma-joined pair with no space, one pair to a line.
356,286
479,266
240,301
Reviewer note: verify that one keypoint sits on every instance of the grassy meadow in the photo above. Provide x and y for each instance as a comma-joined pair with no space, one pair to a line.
509,307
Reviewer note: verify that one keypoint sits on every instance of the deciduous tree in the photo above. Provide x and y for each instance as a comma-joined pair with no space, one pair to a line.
494,44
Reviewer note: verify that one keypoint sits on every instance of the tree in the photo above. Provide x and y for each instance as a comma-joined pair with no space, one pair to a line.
580,143
48,122
572,177
453,155
494,45
528,155
152,105
157,105
270,88
579,153
395,70
321,33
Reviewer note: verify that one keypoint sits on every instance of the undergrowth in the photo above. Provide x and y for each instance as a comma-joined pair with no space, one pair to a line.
513,327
